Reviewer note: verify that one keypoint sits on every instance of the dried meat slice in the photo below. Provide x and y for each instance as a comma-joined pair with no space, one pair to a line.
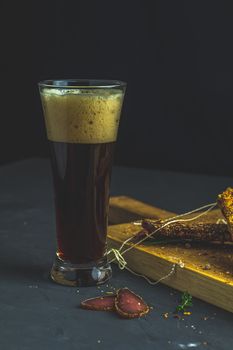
212,228
103,303
129,304
225,202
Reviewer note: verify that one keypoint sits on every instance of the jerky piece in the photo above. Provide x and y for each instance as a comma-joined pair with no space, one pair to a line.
103,303
200,231
130,305
197,231
225,202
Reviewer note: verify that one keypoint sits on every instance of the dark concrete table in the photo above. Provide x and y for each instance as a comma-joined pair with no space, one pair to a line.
37,314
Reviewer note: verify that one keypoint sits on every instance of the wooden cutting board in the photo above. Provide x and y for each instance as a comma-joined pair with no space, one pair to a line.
214,285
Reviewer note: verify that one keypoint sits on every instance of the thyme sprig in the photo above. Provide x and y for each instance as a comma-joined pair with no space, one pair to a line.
186,301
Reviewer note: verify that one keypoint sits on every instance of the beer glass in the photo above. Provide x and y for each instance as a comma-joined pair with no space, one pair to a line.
82,119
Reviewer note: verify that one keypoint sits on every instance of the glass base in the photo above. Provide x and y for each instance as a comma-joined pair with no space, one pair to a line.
80,275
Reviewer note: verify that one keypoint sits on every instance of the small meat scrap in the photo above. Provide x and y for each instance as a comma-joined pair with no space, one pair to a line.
130,305
207,267
225,202
103,303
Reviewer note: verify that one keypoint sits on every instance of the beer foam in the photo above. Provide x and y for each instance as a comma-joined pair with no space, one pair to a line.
82,116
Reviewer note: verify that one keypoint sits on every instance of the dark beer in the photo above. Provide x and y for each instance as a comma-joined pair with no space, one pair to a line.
81,174
82,127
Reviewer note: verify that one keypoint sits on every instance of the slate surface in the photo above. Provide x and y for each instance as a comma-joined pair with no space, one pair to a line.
37,314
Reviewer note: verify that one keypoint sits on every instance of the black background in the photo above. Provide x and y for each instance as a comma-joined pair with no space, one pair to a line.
176,57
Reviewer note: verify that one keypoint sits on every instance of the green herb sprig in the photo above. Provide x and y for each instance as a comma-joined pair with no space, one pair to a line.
186,301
